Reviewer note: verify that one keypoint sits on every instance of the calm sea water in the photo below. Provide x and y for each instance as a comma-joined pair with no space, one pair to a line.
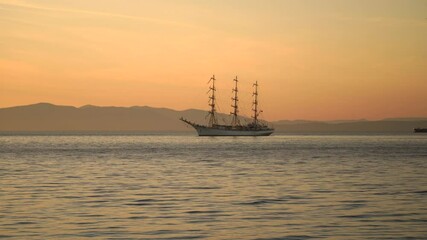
188,187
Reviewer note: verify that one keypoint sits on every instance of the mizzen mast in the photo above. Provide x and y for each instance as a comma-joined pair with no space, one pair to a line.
211,114
235,121
255,104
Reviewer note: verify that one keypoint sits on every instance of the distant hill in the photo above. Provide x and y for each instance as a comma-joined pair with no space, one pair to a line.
382,126
50,117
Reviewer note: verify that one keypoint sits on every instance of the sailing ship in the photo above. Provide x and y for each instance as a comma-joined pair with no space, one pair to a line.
255,128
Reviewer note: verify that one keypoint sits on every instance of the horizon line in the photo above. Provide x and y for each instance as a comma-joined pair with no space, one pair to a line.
187,109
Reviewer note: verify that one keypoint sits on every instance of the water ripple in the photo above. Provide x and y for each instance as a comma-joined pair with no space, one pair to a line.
185,187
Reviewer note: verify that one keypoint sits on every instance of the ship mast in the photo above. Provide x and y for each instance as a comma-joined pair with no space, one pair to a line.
255,104
235,121
212,89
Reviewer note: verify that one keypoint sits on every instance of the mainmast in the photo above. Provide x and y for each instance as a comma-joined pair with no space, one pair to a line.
235,121
255,104
212,89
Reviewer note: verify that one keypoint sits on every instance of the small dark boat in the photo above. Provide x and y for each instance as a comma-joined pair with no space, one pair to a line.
420,130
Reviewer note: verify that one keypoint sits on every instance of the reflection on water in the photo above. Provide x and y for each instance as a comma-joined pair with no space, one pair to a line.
184,187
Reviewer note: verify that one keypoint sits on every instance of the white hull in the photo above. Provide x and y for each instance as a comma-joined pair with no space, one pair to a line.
205,131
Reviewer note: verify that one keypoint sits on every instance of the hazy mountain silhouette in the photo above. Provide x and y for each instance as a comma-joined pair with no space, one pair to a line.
382,126
50,117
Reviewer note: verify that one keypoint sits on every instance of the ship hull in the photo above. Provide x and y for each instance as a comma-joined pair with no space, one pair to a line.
206,131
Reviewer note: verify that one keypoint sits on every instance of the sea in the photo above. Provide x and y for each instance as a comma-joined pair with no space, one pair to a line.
180,186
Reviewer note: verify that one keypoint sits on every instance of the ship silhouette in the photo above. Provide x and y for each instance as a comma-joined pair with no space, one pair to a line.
255,128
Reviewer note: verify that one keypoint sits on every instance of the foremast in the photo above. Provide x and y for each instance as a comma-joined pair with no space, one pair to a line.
212,101
235,120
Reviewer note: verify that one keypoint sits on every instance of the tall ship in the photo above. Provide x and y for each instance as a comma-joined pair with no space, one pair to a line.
255,128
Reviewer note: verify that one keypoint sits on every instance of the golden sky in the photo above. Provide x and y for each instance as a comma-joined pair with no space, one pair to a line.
313,59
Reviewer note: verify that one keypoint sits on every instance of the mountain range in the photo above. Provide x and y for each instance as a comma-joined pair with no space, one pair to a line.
50,117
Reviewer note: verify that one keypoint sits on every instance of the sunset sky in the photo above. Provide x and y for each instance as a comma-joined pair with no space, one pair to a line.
316,60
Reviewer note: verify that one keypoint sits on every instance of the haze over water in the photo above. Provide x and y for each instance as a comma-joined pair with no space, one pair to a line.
183,186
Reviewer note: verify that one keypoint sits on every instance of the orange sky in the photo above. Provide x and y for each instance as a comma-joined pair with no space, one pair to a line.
317,60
